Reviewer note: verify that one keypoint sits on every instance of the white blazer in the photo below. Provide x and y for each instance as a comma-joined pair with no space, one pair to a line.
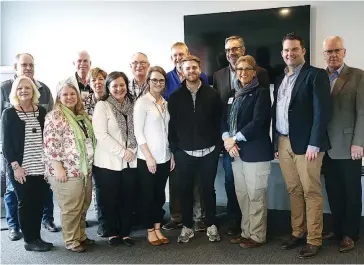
110,145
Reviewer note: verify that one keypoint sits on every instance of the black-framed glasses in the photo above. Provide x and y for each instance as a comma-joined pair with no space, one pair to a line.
233,49
244,69
156,81
336,51
141,63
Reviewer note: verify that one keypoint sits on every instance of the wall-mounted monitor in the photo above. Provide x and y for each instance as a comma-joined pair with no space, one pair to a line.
262,31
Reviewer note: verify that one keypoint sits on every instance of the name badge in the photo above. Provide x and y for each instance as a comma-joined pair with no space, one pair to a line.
230,101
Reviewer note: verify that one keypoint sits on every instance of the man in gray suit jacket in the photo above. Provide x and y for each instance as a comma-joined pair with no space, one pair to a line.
342,164
223,81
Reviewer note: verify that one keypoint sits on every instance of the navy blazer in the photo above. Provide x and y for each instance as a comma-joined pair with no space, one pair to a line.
254,123
309,110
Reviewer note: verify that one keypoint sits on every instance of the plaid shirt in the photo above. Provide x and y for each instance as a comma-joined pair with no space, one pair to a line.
136,90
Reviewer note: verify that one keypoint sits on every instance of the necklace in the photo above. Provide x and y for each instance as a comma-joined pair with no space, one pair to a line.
34,130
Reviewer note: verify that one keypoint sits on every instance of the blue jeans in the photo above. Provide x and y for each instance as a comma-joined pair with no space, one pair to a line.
11,207
233,209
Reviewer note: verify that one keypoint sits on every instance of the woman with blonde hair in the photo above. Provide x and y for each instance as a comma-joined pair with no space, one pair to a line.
69,144
22,127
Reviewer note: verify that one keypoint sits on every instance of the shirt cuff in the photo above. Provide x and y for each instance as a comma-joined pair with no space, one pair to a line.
240,137
313,148
225,135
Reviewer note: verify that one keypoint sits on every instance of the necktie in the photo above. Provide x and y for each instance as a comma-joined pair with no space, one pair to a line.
332,78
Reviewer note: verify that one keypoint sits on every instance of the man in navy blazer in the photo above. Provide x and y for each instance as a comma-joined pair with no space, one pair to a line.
301,113
223,83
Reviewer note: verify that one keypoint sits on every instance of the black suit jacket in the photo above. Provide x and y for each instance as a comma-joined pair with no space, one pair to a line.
254,123
309,110
221,82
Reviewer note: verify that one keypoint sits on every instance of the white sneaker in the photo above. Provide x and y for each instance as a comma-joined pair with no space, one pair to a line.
213,234
185,235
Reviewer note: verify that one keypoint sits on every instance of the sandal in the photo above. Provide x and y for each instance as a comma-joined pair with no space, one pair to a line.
163,240
155,242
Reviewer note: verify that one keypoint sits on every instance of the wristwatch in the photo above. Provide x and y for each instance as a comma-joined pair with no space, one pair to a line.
234,138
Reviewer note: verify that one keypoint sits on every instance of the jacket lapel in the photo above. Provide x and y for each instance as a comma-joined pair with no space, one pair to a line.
341,80
300,78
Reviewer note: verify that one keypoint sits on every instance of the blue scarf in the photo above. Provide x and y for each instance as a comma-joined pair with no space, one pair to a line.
240,94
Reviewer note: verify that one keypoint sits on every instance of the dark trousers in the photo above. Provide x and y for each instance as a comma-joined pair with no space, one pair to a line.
116,195
100,217
233,209
205,169
153,192
344,191
30,195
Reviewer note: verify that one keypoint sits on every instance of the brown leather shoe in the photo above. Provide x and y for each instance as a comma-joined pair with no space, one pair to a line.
250,243
238,240
78,249
309,251
346,244
293,242
328,236
88,242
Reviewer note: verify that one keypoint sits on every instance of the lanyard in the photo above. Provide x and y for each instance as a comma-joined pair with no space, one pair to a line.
83,127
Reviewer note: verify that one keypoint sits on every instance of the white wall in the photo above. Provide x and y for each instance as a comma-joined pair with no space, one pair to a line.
112,31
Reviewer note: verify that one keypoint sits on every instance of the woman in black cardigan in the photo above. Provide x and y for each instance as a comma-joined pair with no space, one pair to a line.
22,138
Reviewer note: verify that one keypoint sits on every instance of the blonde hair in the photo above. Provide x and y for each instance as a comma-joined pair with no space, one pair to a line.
248,59
94,73
179,45
79,109
13,98
191,58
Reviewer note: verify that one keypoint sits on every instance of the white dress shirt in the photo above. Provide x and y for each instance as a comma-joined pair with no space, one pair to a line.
151,128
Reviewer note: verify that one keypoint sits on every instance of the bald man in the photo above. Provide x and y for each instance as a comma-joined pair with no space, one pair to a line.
139,66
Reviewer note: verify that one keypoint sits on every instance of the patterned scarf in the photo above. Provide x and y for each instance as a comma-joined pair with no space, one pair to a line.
73,120
240,94
126,126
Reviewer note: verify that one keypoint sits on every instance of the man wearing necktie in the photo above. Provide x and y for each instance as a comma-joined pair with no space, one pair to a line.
342,163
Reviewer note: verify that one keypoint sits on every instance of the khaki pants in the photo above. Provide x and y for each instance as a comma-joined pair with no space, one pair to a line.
302,179
251,182
74,199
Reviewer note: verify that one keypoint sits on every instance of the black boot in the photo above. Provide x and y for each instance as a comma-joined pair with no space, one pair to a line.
36,246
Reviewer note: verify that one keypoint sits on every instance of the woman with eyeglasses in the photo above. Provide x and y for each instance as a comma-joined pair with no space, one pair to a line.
155,160
115,161
246,138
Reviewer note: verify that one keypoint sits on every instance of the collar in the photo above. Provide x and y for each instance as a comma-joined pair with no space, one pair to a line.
338,70
231,69
199,86
79,79
296,70
151,98
136,83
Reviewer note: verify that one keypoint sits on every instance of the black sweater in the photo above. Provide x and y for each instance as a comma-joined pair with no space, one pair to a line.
194,128
13,134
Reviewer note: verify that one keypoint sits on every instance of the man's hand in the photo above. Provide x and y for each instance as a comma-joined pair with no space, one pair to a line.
229,143
234,151
311,155
356,152
276,156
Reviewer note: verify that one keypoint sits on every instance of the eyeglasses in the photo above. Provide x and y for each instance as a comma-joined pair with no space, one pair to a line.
244,69
233,49
25,65
156,81
336,51
142,63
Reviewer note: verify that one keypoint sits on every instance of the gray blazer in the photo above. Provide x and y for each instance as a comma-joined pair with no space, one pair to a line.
347,125
221,81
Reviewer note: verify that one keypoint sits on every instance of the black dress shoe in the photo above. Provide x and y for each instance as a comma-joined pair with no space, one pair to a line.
50,226
36,246
128,242
233,230
45,242
292,243
115,241
309,251
14,234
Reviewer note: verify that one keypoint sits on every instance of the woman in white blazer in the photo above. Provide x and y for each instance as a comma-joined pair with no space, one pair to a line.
115,159
155,160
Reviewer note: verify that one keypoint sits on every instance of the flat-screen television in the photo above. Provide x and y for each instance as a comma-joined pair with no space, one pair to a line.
262,31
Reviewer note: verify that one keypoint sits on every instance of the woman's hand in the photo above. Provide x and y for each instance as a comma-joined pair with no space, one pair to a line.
229,143
128,155
20,175
173,163
152,165
61,175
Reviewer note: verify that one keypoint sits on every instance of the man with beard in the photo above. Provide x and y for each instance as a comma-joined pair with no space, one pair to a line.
24,65
174,79
194,137
223,82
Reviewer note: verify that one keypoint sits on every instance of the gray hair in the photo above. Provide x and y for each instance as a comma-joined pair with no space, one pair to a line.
238,38
338,38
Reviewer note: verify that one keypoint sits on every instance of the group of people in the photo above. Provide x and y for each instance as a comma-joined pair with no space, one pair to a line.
127,137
